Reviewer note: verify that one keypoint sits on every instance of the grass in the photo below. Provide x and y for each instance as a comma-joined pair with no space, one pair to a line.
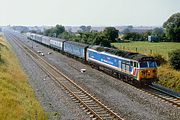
168,77
17,100
147,48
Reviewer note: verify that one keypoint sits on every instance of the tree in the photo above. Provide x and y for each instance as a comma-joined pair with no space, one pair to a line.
172,27
97,40
105,43
64,35
174,59
101,40
59,29
132,36
159,33
146,34
55,31
111,33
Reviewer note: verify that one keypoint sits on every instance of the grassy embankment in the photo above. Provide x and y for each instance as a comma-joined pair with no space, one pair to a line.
168,77
17,100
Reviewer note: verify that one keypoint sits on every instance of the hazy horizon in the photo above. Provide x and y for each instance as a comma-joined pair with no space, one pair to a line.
84,12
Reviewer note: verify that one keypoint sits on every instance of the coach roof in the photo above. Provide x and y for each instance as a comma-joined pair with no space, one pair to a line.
57,39
77,43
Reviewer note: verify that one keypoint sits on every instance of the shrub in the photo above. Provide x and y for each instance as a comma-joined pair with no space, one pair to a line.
174,59
159,59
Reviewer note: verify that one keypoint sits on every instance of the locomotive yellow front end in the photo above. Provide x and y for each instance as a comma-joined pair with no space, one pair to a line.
147,72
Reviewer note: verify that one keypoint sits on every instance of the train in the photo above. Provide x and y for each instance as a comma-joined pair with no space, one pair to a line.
131,67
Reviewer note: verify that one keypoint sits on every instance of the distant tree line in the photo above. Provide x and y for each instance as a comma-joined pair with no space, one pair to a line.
169,33
156,32
85,35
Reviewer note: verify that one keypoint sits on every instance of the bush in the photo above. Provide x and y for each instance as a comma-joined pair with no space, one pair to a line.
174,59
159,59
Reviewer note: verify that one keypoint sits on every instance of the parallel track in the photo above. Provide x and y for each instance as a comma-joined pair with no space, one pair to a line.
164,95
88,103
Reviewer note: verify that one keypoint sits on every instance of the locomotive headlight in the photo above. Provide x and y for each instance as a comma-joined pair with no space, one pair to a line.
149,71
143,72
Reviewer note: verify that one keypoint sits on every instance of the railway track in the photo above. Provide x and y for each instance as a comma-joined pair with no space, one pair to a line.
87,102
163,94
158,92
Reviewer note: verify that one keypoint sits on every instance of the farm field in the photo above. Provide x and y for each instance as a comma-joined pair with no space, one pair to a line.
148,48
168,77
17,100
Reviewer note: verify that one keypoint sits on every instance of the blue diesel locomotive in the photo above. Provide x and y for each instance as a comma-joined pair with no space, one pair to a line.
128,66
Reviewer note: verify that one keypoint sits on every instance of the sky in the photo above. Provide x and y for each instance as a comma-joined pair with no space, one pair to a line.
87,12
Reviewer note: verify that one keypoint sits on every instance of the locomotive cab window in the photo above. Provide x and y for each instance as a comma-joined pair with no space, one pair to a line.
152,64
148,64
143,64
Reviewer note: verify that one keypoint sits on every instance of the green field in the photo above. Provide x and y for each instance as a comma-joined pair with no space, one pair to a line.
148,48
168,77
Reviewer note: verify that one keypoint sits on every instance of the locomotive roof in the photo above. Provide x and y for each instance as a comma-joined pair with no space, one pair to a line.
121,53
77,43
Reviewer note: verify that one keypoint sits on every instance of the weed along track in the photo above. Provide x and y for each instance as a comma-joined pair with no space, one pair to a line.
87,102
